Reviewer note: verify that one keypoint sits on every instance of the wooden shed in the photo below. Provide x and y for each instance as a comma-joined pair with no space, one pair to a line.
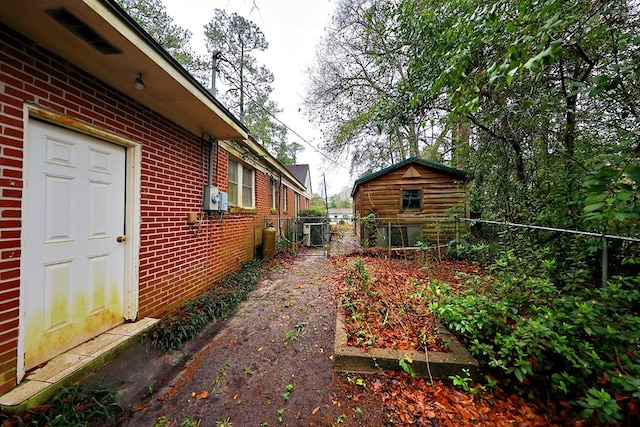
414,200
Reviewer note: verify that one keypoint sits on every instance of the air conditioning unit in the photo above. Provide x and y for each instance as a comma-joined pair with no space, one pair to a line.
312,234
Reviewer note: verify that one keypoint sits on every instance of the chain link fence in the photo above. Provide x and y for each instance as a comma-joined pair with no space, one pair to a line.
454,235
303,235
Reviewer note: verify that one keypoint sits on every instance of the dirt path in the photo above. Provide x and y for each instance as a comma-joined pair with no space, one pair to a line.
268,365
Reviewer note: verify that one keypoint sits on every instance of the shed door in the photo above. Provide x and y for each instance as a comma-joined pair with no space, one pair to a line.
72,263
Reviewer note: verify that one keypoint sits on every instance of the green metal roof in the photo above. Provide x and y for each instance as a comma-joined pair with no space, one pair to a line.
433,165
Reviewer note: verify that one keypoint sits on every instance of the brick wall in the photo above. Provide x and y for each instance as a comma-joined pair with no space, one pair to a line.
176,261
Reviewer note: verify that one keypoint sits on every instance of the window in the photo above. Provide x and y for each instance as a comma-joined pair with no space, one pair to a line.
411,199
273,195
285,201
401,236
241,187
296,202
247,187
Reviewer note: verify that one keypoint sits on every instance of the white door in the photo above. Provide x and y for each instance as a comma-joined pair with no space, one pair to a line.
72,261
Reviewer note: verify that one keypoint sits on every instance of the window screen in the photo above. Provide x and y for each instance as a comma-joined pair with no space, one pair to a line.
233,182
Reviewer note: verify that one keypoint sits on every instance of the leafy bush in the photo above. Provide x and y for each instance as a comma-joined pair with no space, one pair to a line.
185,323
314,212
71,406
583,345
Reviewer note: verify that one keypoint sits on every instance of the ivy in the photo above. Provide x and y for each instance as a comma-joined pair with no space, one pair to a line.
186,322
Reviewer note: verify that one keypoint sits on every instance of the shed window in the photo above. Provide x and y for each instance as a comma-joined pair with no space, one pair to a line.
411,199
241,187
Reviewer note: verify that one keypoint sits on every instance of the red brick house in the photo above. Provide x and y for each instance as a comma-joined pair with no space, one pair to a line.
108,149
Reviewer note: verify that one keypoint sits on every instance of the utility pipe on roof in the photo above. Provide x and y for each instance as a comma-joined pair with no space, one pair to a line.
217,55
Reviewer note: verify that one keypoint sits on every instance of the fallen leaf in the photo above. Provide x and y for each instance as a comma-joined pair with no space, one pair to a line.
315,410
141,407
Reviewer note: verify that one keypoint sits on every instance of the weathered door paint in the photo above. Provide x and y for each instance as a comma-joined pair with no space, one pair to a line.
72,285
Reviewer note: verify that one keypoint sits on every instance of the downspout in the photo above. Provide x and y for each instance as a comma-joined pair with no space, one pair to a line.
279,194
210,163
217,160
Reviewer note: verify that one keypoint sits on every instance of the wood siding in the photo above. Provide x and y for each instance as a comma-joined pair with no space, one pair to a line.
443,194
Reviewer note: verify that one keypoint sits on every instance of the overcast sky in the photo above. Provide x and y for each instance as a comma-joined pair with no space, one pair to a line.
293,29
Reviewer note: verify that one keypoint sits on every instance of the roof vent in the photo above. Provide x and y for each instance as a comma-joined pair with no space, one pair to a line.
82,30
412,173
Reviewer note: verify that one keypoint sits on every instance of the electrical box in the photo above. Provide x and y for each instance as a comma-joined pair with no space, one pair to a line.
214,199
223,204
211,200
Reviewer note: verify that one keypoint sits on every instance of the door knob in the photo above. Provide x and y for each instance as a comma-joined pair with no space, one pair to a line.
121,239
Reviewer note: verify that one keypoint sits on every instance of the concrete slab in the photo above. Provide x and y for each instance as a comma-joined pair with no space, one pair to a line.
42,383
440,365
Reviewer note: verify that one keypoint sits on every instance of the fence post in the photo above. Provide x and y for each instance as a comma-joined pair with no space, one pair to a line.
389,235
605,261
457,222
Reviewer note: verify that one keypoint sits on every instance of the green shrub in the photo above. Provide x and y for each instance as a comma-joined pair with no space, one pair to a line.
71,406
583,344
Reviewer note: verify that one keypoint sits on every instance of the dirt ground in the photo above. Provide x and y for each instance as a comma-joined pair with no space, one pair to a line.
270,364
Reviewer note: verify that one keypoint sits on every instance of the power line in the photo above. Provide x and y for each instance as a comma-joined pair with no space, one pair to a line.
317,150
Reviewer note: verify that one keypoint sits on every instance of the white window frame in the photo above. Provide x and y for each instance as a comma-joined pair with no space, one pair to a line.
242,186
285,199
273,188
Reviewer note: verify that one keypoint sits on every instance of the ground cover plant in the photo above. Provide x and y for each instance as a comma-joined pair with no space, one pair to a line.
406,283
186,322
71,406
551,329
570,352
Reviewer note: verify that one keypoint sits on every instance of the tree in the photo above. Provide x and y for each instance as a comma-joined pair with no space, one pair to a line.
318,203
152,16
249,84
359,64
533,98
237,39
548,89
